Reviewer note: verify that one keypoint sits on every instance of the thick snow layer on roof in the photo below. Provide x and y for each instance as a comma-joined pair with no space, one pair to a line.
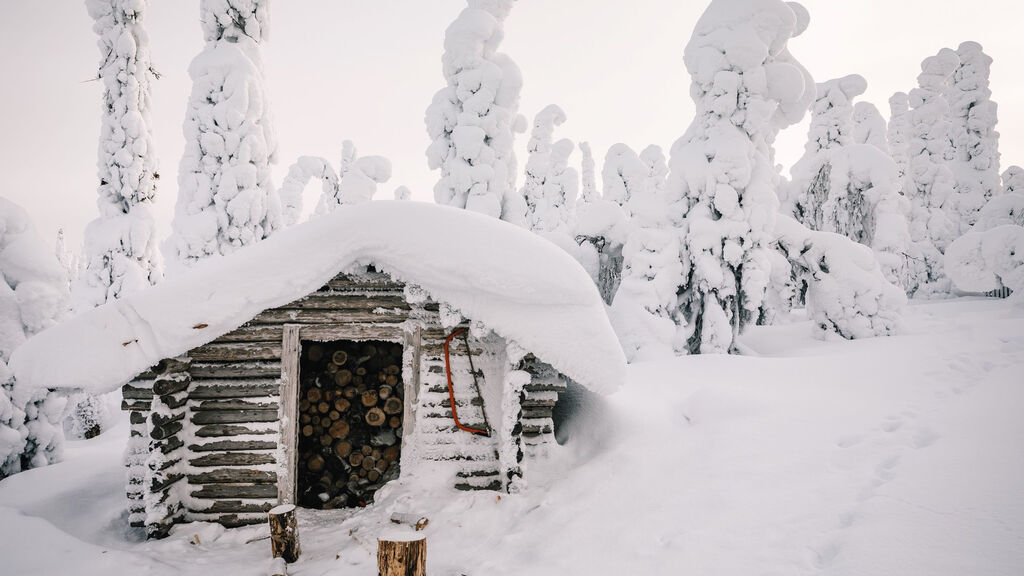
519,285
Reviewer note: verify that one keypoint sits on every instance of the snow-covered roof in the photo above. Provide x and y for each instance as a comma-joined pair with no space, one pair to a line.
519,285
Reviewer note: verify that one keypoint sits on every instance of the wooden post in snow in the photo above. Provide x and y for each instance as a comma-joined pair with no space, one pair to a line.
402,553
284,533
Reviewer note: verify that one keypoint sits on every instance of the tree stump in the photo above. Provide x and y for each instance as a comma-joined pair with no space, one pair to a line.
278,567
402,553
284,533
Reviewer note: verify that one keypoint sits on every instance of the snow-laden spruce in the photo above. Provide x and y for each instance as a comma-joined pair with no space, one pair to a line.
988,260
551,185
898,135
1013,180
1002,210
973,117
120,245
931,187
472,121
747,87
226,198
356,181
33,297
869,126
601,230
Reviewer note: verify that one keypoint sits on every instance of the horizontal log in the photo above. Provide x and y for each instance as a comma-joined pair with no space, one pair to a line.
377,283
137,405
217,389
235,369
165,431
136,417
160,420
280,316
233,446
234,416
237,507
536,412
252,491
353,331
348,301
235,404
170,444
134,392
233,476
169,386
539,402
237,352
166,482
232,459
228,430
254,333
546,386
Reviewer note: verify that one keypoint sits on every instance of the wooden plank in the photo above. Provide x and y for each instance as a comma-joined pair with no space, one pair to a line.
167,387
228,430
343,301
232,459
280,316
381,282
137,405
236,352
236,445
250,491
237,404
234,416
290,344
251,333
356,332
233,476
130,392
219,389
235,369
237,507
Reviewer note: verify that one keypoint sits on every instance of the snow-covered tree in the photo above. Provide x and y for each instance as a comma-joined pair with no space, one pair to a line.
356,181
403,193
982,261
931,187
551,186
869,126
1013,180
588,190
973,117
899,134
601,229
473,120
1002,210
226,198
747,87
33,296
120,245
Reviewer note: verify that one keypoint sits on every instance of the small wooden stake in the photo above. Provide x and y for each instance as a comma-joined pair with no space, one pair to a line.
402,554
284,533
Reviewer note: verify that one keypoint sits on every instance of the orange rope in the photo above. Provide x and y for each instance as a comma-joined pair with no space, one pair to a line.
451,388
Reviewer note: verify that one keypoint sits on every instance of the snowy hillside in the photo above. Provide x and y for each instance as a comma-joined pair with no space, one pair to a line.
899,455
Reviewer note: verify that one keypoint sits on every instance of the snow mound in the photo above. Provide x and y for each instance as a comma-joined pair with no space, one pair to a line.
520,286
989,260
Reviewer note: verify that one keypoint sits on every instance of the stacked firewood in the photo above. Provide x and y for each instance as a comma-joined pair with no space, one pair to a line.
350,421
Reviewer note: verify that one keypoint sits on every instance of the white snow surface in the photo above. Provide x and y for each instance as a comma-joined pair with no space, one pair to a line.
517,284
897,456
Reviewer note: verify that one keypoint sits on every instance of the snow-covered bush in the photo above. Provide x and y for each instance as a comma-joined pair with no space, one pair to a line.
931,185
973,117
120,245
33,296
472,121
747,87
1013,180
226,198
988,260
551,185
847,294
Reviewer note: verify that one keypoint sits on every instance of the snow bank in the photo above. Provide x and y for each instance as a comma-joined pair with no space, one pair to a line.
514,282
988,260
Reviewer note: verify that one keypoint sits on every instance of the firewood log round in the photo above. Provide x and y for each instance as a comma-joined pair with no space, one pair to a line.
368,463
391,453
355,459
315,419
342,405
391,380
343,377
381,465
339,430
307,430
382,378
392,406
314,395
394,422
332,368
339,357
305,419
373,475
350,392
334,415
316,463
303,405
393,370
342,449
323,407
384,392
326,440
360,388
361,371
375,416
284,533
366,450
369,398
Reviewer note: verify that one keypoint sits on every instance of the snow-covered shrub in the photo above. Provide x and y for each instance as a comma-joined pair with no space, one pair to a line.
551,185
869,126
1013,180
847,294
33,296
472,121
747,87
931,187
226,198
120,245
1002,210
973,117
988,260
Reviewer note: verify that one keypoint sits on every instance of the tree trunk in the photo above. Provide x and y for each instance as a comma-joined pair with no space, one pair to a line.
284,533
402,554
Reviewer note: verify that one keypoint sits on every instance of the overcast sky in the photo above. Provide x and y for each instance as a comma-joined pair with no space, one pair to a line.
366,71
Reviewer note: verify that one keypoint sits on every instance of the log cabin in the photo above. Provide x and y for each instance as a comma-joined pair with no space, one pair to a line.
337,356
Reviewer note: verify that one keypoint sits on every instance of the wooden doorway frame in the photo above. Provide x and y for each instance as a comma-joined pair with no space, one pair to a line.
291,344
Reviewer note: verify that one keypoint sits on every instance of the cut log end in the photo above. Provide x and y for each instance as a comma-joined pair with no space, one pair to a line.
284,533
402,554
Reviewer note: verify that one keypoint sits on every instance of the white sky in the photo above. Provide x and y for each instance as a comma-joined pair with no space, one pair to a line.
366,71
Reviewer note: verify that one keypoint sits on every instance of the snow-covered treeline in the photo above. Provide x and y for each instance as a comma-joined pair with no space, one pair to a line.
226,198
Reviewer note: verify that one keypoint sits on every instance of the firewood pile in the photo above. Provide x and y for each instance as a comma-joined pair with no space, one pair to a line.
350,421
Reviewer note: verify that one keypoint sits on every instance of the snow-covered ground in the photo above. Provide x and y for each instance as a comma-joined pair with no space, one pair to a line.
890,456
